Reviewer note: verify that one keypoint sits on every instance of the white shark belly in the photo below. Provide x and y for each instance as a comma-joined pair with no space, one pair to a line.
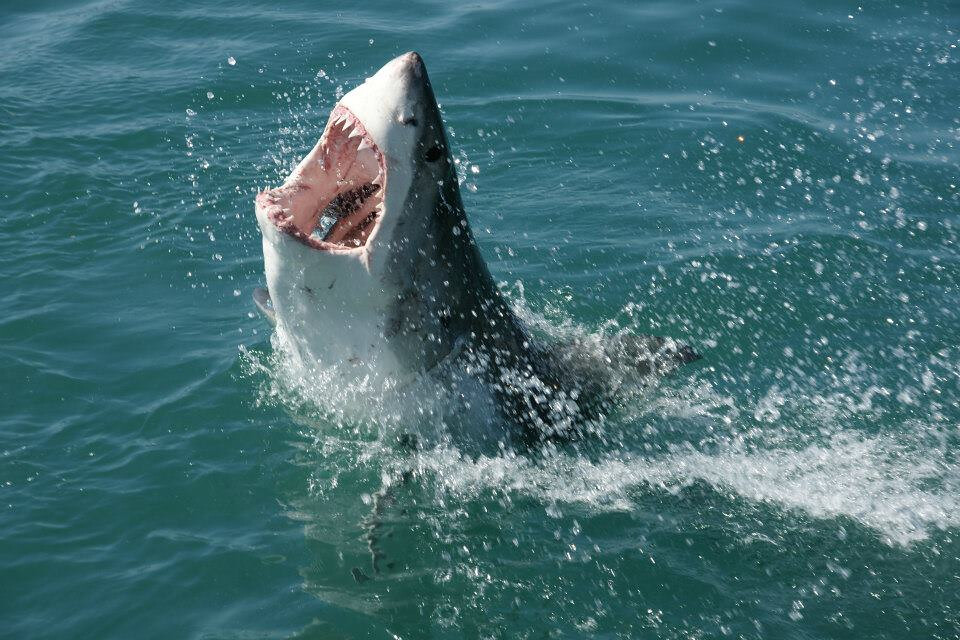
327,331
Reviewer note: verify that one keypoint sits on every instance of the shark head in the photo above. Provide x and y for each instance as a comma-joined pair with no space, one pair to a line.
368,255
373,273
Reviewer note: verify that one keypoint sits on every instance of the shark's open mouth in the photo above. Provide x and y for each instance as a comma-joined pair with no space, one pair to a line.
334,199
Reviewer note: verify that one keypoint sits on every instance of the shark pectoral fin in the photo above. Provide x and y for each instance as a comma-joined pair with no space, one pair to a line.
644,354
261,298
670,350
652,354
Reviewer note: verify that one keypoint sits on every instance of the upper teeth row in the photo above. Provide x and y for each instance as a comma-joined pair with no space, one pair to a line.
345,119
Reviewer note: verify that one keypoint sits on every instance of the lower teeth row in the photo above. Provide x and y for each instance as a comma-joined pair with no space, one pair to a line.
343,205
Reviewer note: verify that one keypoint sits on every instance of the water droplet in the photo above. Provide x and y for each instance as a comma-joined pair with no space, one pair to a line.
231,61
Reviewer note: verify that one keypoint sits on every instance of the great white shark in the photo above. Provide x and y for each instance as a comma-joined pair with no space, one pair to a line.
371,267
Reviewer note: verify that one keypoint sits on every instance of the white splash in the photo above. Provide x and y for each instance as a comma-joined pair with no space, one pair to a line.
792,448
875,481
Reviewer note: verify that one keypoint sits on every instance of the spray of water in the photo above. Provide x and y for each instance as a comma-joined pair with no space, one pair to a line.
793,448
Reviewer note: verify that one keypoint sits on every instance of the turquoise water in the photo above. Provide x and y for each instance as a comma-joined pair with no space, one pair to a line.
775,183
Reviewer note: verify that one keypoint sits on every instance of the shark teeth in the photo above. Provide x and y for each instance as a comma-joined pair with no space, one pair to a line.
336,200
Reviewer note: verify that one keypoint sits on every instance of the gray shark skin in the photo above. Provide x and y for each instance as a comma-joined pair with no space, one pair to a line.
371,265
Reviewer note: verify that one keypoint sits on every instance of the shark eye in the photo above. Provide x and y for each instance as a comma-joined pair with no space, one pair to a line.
433,153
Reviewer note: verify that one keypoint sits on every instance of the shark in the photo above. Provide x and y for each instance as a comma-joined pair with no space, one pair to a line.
371,267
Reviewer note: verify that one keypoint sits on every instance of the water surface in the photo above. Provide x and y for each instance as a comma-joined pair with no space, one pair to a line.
774,183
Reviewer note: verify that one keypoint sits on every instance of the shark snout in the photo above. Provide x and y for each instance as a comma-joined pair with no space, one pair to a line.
410,63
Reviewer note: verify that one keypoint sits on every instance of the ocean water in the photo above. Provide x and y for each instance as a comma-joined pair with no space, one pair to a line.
775,183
